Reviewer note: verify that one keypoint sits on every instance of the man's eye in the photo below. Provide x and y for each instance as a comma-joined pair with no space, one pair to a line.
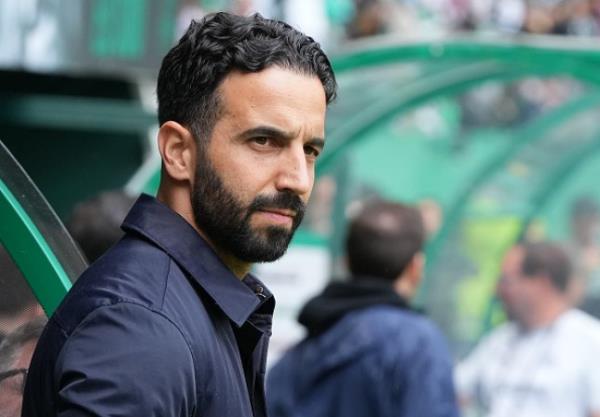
309,150
261,140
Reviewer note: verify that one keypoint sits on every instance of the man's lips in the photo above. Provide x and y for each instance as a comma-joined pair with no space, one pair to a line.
278,215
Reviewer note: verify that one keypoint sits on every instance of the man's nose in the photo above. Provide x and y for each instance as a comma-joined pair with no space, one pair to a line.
295,172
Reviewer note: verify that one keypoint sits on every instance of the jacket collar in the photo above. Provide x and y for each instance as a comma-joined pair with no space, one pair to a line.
173,234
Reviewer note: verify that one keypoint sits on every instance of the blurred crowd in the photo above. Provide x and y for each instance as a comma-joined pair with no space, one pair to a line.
332,22
565,17
351,19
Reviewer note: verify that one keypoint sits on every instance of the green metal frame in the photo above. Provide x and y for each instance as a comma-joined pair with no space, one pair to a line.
541,51
31,253
529,134
560,176
97,114
570,165
45,254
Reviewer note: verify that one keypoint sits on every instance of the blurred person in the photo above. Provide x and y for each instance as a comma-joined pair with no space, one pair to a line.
584,249
545,360
367,353
95,223
18,305
369,19
540,20
169,322
15,356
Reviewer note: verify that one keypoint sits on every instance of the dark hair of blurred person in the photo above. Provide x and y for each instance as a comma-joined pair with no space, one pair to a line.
15,354
367,353
170,321
95,223
383,240
534,283
547,259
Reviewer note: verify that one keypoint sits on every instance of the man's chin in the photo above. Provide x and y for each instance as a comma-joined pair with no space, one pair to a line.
267,245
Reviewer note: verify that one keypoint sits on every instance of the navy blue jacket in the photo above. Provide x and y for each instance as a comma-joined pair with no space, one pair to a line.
367,355
158,326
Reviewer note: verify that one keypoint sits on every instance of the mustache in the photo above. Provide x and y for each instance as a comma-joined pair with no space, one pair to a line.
282,200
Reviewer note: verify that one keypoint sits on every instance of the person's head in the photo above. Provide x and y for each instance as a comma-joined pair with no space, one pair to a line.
585,221
95,223
534,277
241,104
385,241
15,355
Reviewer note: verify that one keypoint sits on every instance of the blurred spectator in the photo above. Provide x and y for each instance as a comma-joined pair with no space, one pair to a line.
369,19
95,224
15,355
584,250
367,353
544,362
17,303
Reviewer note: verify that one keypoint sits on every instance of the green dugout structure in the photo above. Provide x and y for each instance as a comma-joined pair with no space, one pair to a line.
495,139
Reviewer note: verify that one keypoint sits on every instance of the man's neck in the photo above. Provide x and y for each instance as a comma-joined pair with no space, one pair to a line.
239,268
183,207
546,313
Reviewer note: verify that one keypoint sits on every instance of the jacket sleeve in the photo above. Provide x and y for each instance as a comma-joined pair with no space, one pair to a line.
125,360
423,379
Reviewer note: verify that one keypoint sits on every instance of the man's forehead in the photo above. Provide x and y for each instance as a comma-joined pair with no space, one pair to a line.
273,80
275,97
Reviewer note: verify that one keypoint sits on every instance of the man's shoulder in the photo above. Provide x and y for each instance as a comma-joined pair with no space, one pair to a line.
389,318
133,271
578,325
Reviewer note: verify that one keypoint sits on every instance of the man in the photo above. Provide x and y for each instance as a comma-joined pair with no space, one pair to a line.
169,322
544,362
15,355
367,353
584,251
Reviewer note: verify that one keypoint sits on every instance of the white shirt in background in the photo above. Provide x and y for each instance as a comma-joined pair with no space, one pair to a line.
548,372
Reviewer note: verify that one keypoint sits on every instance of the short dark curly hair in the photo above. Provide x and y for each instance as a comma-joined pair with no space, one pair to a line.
383,238
550,259
220,43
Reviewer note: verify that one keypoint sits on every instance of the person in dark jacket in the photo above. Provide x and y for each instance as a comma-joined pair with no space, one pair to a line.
169,322
367,354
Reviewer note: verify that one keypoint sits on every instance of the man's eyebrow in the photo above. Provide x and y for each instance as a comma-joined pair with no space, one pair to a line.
318,143
268,131
273,132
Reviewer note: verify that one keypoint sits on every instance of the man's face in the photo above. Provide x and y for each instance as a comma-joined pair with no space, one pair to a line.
516,291
254,177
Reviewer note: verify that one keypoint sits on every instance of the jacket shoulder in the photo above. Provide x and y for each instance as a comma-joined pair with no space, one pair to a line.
133,270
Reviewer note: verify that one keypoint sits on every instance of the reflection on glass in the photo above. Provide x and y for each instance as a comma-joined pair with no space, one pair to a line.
41,214
21,322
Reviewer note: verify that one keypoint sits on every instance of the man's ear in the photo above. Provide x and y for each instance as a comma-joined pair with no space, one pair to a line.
416,267
177,148
408,282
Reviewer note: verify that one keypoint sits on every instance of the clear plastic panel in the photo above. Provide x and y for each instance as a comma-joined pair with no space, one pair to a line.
21,322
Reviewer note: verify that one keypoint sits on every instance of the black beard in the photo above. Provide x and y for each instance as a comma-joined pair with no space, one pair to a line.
226,222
